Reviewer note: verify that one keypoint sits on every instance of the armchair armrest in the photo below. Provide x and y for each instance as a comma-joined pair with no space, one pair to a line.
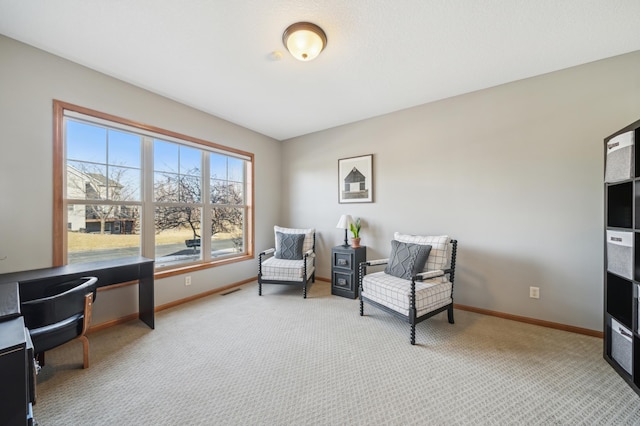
376,262
431,274
363,265
308,253
267,251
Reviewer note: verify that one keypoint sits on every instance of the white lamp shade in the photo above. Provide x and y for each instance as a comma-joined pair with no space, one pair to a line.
304,40
345,221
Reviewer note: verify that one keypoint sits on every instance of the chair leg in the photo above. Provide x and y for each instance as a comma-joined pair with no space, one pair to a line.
259,288
450,314
413,334
40,358
88,309
304,290
85,351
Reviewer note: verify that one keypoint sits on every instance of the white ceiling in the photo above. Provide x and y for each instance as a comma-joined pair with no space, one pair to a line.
381,55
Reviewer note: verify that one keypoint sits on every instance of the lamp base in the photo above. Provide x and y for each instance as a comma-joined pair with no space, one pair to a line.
346,243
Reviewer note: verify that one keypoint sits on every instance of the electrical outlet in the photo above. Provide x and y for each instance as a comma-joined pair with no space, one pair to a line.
534,292
187,280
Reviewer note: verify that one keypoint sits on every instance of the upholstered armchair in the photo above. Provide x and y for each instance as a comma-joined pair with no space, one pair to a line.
60,314
292,261
417,282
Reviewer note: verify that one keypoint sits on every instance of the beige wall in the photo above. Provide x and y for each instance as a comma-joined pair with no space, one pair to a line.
29,80
514,172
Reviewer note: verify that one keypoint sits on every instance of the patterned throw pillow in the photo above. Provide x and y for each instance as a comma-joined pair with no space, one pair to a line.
440,253
406,259
308,236
289,246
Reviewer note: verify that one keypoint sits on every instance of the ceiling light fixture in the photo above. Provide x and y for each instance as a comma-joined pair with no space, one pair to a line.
304,40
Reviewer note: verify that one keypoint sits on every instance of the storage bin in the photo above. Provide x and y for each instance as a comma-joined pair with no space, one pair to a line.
619,163
620,253
621,346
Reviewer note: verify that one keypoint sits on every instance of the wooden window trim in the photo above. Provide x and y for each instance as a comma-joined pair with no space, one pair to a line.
59,203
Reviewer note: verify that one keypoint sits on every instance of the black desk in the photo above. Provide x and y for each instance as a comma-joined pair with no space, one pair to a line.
108,272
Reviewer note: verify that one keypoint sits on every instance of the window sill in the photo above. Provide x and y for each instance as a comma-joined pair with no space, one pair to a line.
197,266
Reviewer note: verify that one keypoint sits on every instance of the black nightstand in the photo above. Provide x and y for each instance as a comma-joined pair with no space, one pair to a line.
345,273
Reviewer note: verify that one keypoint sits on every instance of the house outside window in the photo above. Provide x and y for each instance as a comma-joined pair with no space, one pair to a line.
123,189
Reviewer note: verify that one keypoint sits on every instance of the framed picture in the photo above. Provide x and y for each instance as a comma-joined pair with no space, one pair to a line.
355,179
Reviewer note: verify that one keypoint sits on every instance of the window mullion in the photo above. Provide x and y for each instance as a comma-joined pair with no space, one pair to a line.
147,227
205,226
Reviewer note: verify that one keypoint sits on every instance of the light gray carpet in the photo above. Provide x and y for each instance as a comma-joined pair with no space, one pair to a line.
278,359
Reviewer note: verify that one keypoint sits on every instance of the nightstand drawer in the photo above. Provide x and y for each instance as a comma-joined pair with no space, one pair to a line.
342,260
343,281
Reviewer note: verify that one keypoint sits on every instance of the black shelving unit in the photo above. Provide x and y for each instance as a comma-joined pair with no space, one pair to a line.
622,255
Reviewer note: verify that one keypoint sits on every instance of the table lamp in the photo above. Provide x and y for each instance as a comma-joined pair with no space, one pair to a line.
344,223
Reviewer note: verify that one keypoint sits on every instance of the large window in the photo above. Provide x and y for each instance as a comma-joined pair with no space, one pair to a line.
123,189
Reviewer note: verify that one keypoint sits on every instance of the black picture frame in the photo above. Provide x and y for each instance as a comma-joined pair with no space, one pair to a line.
355,179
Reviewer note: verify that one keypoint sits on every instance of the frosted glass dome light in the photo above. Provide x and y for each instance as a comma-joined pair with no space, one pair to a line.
304,40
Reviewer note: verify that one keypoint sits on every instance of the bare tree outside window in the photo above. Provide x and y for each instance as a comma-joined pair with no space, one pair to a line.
96,182
174,188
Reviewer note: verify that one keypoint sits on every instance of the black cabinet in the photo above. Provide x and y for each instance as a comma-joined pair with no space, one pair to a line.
622,254
345,273
17,370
